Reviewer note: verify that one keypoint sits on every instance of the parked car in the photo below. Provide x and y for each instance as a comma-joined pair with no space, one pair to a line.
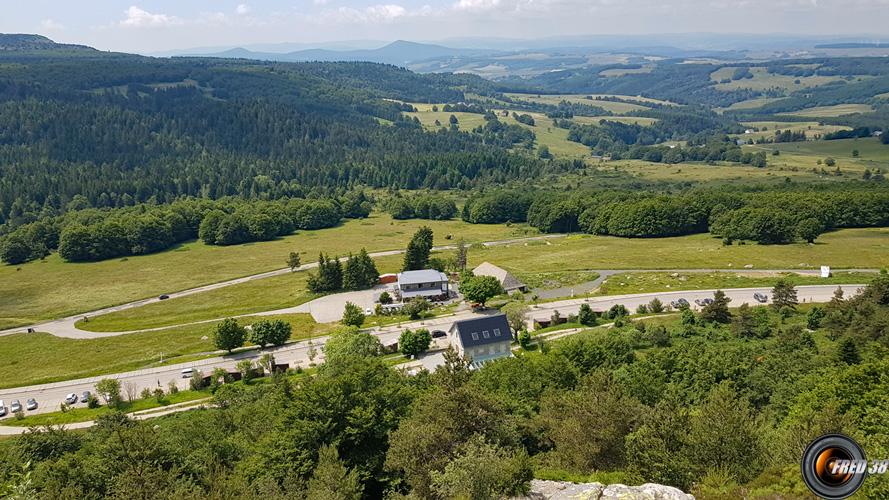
187,373
31,404
71,398
437,334
163,297
2,409
368,312
700,302
85,396
16,406
679,303
761,297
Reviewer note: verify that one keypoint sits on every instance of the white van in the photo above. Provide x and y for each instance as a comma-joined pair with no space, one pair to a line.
187,373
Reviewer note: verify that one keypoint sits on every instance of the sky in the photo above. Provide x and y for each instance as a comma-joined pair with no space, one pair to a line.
154,26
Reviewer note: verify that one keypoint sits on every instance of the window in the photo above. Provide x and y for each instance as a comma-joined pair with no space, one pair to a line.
474,335
486,334
496,332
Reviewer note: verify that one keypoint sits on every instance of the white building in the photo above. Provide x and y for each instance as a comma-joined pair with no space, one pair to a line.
427,283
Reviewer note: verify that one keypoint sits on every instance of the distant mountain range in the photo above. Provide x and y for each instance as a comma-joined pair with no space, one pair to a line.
400,53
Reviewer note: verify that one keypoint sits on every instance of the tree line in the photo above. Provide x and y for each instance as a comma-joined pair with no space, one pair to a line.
91,234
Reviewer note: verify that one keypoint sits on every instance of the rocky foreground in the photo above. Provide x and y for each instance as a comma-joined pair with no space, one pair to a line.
559,490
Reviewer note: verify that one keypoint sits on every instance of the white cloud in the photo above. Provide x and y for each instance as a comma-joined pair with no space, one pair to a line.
320,2
139,18
371,14
51,25
242,9
477,5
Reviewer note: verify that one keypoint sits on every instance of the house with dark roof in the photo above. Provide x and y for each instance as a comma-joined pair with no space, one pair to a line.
427,283
482,339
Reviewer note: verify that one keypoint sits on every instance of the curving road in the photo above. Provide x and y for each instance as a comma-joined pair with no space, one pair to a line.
297,353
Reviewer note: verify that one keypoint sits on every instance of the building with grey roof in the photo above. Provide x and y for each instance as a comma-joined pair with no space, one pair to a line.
482,339
427,283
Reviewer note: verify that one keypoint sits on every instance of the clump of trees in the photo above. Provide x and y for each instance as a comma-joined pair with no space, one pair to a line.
423,206
416,256
414,342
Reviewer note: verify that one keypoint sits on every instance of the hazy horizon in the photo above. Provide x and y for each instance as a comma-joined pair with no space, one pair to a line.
165,25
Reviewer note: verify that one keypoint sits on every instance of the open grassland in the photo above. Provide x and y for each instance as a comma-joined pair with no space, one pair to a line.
626,71
830,111
767,129
779,169
556,139
35,358
869,150
614,107
750,104
701,251
763,80
549,264
267,294
620,284
553,280
54,288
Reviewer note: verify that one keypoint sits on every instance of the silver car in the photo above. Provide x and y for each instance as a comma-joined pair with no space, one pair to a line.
31,404
71,398
760,297
16,406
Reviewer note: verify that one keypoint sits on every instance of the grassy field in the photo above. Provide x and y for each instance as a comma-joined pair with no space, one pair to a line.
763,80
750,103
552,280
614,107
767,129
701,251
36,358
84,414
620,284
869,150
556,139
255,296
831,111
54,288
796,168
626,71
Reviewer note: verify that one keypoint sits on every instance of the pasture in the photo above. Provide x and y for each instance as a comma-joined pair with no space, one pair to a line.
53,288
763,80
36,358
830,111
767,129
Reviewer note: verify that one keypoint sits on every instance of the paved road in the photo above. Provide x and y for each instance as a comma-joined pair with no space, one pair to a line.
64,327
50,395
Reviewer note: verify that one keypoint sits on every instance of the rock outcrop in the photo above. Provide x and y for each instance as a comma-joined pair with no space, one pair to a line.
559,490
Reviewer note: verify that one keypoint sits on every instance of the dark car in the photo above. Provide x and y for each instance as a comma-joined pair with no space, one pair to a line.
679,304
437,334
85,396
761,297
163,297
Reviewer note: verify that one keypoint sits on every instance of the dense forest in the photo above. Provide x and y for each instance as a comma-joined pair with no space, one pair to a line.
720,403
121,130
